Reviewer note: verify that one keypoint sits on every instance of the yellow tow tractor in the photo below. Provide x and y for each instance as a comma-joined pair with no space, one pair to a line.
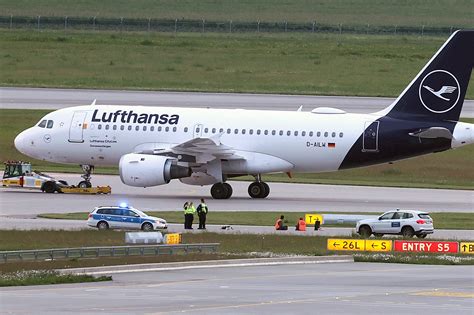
18,174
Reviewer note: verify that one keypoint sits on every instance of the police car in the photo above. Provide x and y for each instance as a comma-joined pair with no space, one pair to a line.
402,222
124,217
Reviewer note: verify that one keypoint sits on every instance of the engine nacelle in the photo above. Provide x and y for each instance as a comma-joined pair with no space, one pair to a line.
199,179
143,170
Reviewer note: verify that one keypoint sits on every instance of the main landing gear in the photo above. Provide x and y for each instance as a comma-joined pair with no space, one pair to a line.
258,189
86,183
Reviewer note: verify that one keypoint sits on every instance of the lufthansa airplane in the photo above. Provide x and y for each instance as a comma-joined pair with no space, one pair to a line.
153,145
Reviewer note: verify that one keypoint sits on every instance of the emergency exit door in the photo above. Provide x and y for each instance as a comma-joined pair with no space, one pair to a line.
370,141
76,131
197,133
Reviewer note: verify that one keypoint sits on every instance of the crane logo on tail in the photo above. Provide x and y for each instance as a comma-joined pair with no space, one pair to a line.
439,91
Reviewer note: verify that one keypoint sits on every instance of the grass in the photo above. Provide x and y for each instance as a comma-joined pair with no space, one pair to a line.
374,12
451,169
231,246
295,64
442,220
41,277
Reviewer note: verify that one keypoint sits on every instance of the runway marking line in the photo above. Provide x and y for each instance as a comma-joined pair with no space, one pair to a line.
445,294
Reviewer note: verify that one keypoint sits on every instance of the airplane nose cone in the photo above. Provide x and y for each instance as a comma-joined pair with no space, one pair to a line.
20,142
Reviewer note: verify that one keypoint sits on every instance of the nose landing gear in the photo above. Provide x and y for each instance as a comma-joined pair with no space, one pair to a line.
86,183
258,189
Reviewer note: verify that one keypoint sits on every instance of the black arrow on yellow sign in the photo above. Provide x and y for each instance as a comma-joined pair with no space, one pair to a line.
374,245
335,244
464,247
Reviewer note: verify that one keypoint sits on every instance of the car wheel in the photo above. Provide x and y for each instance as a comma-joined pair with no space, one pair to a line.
147,227
102,225
408,232
421,235
365,231
378,234
49,187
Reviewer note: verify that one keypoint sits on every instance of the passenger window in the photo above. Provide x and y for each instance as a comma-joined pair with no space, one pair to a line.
251,131
99,126
296,133
185,129
213,130
174,129
258,131
42,124
221,130
288,133
137,128
144,128
107,127
236,131
206,130
326,134
333,135
114,127
387,216
266,132
122,127
311,133
341,135
281,133
228,131
397,215
160,128
318,134
274,132
129,127
167,129
303,133
50,124
407,215
152,128
243,131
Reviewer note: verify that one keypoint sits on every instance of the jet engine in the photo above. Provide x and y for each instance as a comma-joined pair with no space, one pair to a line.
143,170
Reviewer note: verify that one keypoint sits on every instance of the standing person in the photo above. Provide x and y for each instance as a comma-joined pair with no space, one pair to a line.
279,224
190,211
202,211
301,225
186,218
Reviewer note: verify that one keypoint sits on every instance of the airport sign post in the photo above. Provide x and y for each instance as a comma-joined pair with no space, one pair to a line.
466,247
312,218
425,246
346,244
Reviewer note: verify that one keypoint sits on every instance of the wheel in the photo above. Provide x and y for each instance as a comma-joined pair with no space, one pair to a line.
229,190
220,191
147,227
422,235
365,231
266,190
84,184
408,232
378,234
102,225
257,190
50,187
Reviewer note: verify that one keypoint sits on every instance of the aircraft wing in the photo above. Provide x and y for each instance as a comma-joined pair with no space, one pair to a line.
197,150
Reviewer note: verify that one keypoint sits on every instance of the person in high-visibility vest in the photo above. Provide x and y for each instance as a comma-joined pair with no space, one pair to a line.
185,207
189,216
279,224
202,211
301,225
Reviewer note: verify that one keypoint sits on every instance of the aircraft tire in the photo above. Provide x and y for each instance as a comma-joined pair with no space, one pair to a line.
84,184
266,190
229,189
221,191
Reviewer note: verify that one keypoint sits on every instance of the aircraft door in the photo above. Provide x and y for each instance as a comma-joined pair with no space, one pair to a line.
197,131
77,127
370,141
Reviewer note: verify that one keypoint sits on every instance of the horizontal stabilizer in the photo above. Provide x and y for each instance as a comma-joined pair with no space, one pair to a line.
433,133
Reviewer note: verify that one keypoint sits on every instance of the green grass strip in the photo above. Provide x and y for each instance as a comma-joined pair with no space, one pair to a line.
42,277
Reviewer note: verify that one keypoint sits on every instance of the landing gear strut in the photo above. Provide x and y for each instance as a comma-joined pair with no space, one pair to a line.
221,191
258,189
86,183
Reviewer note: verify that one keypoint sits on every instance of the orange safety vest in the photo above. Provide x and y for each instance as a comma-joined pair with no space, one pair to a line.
278,224
301,225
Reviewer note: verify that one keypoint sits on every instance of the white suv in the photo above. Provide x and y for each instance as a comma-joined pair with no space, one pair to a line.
401,222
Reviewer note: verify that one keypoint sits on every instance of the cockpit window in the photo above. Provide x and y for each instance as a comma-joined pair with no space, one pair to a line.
42,124
50,124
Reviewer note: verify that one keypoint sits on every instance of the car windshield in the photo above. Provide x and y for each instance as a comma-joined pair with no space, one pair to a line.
140,213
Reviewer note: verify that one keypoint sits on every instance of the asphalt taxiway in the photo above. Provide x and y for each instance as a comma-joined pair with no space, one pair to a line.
331,288
285,197
43,98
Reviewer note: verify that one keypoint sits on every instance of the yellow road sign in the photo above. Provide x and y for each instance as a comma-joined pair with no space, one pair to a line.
173,238
466,247
346,244
378,245
311,218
